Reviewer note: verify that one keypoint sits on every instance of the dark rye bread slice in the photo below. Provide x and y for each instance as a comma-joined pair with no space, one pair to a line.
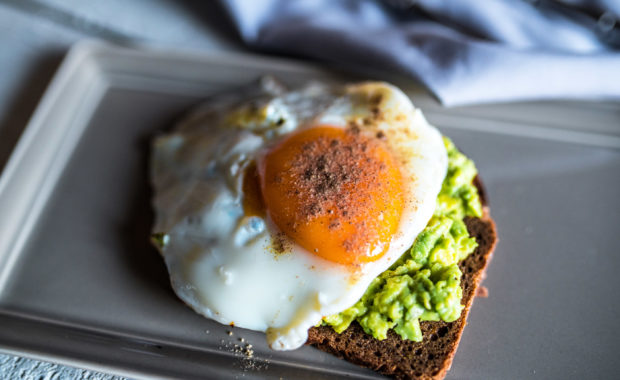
431,358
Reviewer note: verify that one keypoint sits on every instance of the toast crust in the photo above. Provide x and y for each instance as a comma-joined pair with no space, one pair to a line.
432,357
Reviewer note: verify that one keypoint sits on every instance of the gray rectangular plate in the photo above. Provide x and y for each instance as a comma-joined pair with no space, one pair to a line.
80,284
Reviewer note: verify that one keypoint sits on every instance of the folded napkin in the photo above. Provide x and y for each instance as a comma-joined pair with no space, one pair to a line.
464,51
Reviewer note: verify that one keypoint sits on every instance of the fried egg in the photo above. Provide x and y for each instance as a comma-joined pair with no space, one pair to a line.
275,212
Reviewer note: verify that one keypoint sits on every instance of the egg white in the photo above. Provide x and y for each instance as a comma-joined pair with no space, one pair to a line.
220,260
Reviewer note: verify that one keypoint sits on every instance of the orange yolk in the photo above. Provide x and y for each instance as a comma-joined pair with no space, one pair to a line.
334,192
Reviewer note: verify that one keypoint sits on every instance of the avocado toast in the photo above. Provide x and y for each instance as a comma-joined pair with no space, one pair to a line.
431,357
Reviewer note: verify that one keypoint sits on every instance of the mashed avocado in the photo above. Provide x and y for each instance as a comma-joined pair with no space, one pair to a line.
424,284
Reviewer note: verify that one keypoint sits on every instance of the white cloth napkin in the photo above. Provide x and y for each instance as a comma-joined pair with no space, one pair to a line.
464,51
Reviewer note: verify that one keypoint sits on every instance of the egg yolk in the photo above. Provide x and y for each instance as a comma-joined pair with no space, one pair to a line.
335,192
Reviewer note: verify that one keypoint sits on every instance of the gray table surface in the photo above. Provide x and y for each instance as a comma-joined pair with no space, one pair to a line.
34,37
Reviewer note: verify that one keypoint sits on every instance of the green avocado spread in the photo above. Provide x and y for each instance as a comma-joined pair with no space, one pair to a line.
424,284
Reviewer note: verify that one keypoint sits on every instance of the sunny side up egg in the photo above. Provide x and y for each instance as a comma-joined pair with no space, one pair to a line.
278,211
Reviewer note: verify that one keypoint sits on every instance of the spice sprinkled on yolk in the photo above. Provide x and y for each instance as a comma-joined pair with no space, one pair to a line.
335,192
